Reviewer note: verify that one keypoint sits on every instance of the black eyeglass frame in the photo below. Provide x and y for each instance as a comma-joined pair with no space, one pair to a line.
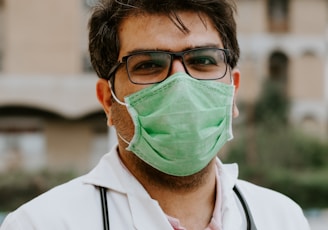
173,55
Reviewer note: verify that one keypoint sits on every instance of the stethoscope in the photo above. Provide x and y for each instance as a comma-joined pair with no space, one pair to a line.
249,217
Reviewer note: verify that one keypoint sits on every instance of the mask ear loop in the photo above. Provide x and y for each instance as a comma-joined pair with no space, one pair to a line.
114,96
121,103
123,139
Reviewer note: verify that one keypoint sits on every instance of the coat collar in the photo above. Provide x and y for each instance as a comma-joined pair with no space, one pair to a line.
112,174
231,210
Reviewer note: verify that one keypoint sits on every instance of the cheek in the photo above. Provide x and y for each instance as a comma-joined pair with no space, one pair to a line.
124,87
122,121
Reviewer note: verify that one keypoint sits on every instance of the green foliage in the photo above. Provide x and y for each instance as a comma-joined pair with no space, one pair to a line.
273,154
18,187
273,104
286,161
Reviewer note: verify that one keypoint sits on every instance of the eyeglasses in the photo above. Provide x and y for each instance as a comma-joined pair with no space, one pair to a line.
149,67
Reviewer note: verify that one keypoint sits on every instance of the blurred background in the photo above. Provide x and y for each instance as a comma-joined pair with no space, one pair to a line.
53,129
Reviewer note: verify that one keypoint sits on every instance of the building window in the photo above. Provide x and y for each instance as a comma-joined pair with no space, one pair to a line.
102,137
99,146
277,87
22,144
310,125
278,67
278,11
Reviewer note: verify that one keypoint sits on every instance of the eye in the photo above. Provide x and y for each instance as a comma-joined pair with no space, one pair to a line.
150,67
147,65
202,64
202,60
209,62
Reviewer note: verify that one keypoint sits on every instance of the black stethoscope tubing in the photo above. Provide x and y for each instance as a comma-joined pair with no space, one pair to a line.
249,218
104,207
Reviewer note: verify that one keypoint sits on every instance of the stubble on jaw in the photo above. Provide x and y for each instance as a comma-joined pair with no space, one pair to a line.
174,183
143,171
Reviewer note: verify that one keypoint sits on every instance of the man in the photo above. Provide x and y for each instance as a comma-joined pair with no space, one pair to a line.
168,81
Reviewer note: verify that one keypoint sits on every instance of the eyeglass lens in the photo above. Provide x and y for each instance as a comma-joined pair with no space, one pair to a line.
152,67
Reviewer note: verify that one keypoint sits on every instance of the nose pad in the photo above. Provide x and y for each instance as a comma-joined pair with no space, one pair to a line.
177,66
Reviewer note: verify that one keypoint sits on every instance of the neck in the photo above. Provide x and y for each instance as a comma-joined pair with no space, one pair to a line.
193,207
193,195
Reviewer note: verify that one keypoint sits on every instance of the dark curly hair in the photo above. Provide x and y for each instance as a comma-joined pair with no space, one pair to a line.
107,15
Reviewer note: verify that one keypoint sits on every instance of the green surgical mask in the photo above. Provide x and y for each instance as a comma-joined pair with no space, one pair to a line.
180,123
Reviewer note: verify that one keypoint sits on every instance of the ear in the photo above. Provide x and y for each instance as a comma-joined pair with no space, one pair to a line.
104,96
236,80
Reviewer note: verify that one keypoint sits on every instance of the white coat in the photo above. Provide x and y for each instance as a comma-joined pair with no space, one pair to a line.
76,205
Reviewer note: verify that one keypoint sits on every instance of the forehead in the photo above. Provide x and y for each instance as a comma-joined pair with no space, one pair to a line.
159,32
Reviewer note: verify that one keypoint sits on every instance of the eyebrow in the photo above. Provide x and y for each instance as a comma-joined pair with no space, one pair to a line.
208,45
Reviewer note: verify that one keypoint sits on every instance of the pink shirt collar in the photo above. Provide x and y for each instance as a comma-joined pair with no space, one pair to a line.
216,221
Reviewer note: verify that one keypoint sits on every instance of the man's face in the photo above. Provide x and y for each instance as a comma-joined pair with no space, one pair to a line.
156,32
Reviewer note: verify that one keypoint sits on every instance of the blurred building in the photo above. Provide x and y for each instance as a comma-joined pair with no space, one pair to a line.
286,40
49,114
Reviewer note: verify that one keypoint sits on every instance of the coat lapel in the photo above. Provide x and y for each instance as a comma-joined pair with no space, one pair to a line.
147,214
232,214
